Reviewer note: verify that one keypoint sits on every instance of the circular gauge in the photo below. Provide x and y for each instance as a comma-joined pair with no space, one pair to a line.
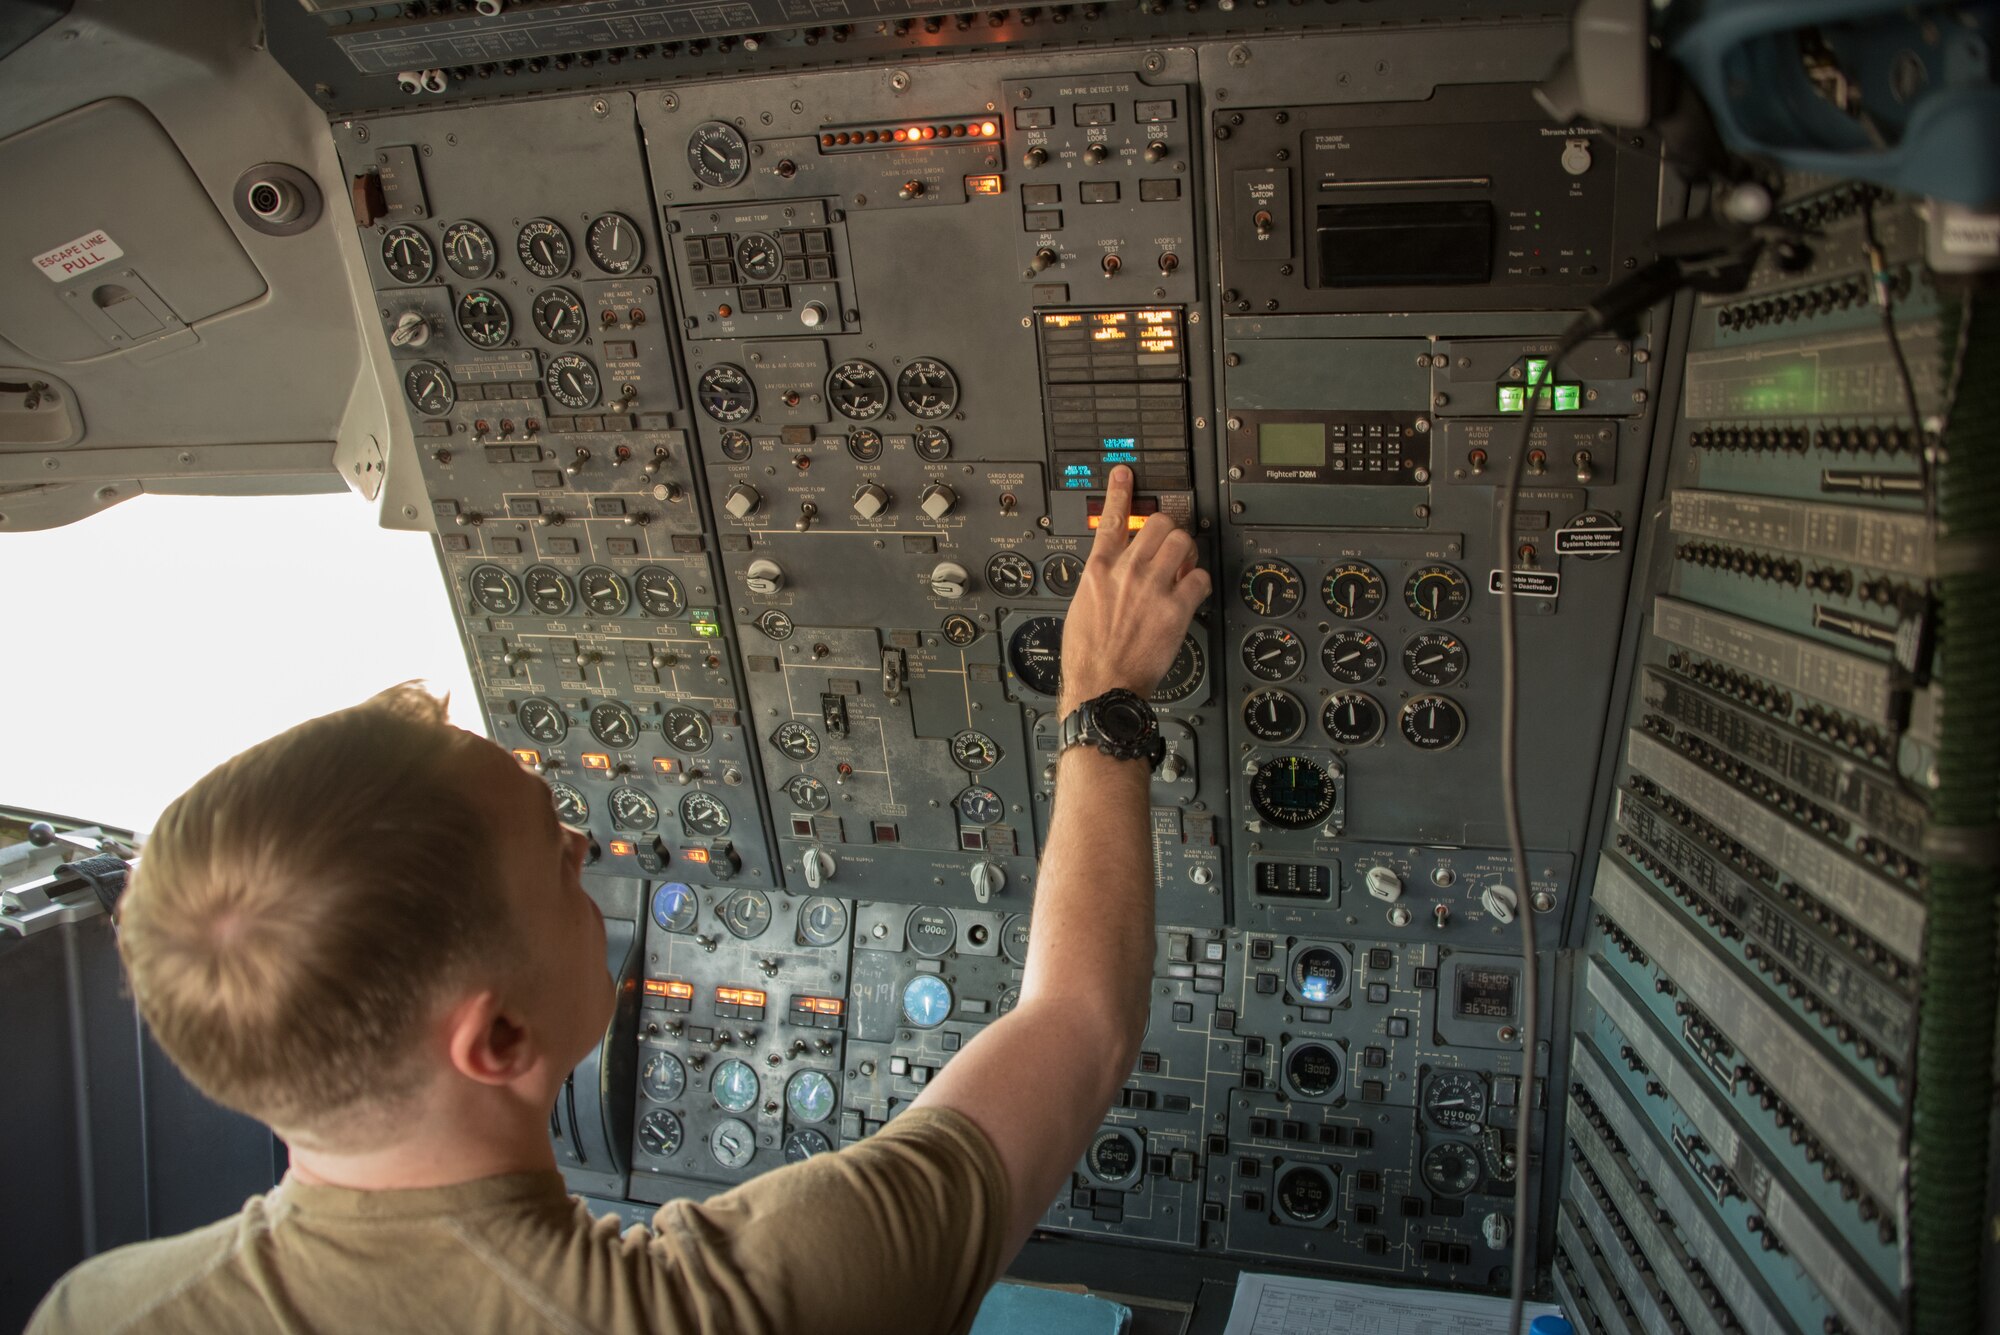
746,913
705,815
727,395
858,391
1352,656
1271,588
549,590
660,1134
1062,573
960,629
483,319
809,1096
675,905
1313,1070
1432,723
975,751
1450,1168
571,808
865,445
1034,651
686,730
571,381
1305,1194
495,590
543,247
927,389
758,257
930,931
822,921
1011,575
614,243
776,624
933,445
735,446
1014,939
660,593
559,316
604,591
927,1001
981,806
808,793
1185,675
428,388
1455,1100
663,1078
718,154
613,724
1274,716
1352,718
732,1144
1113,1157
407,255
633,811
468,249
796,740
1435,659
804,1143
542,719
1272,653
1318,973
1010,997
1437,593
734,1086
1292,792
1353,590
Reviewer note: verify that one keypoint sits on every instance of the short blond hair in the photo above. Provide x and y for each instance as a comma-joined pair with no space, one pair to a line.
297,914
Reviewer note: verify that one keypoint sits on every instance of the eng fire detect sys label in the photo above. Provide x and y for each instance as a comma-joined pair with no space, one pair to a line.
80,256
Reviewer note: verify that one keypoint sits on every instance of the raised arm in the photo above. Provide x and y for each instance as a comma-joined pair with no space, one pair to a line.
1038,1081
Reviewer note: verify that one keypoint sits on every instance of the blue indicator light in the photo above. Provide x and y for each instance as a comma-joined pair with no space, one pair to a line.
1121,457
1121,442
1316,990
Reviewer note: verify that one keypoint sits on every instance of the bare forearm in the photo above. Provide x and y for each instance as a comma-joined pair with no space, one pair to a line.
1092,940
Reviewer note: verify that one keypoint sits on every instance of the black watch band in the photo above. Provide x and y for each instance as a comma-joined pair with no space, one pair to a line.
1118,723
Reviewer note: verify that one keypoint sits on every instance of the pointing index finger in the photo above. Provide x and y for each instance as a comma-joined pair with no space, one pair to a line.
1111,523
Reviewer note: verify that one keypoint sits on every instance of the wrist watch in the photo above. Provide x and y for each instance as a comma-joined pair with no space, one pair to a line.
1118,723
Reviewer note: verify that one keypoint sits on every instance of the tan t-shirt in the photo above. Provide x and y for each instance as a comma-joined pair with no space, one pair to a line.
902,1232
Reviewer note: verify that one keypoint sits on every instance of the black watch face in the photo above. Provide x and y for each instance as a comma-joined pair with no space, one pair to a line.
1123,722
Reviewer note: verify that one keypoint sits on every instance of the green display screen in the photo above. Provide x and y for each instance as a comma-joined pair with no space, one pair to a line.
1291,444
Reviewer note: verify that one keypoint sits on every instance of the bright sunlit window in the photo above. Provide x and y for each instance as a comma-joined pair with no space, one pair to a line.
154,641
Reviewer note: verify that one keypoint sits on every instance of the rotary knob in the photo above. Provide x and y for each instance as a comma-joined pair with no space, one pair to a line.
949,580
818,866
742,501
988,880
870,500
1500,901
764,577
412,330
813,316
937,501
1384,884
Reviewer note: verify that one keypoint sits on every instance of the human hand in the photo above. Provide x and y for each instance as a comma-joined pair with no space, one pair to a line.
1133,603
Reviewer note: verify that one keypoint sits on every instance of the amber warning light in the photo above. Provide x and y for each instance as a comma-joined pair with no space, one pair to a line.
739,996
670,987
1141,507
819,1005
953,129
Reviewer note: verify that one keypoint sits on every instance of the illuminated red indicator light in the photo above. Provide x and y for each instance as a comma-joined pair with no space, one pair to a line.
988,128
1141,507
621,848
596,760
982,185
739,996
663,764
532,759
670,987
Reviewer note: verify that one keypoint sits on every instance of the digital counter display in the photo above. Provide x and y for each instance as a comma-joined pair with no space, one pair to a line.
1291,444
1485,994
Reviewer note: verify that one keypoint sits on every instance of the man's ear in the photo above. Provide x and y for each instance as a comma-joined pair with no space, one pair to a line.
487,1042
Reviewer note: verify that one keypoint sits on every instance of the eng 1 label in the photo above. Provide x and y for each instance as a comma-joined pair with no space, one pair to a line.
80,256
1529,584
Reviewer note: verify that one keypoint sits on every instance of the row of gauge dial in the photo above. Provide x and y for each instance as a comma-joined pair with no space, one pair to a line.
612,241
1354,590
856,389
571,380
604,591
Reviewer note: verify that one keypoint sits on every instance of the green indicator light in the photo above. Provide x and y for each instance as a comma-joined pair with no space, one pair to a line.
1569,398
1513,398
708,630
1538,370
1543,399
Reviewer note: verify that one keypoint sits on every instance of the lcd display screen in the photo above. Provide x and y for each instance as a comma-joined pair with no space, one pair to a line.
1291,444
1405,245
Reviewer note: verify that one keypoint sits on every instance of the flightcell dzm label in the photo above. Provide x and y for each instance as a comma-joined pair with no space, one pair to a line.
76,257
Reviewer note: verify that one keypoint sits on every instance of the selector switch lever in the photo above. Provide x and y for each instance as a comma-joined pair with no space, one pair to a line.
1384,884
1500,901
937,501
870,500
988,880
742,501
818,866
949,580
764,577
